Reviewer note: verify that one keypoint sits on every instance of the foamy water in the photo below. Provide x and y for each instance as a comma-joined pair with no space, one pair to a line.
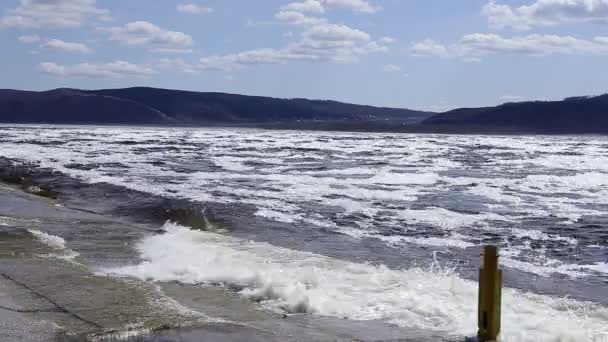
52,241
540,198
55,242
300,282
458,190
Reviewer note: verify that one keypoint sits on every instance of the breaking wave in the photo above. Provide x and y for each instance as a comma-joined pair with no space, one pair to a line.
52,241
55,242
295,282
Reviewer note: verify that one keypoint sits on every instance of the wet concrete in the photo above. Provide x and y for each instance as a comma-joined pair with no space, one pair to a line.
49,294
18,311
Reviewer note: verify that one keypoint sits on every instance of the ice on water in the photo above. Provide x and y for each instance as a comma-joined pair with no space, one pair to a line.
528,190
466,186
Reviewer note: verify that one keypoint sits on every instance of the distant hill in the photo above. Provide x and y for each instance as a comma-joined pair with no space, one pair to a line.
572,115
66,106
175,107
164,107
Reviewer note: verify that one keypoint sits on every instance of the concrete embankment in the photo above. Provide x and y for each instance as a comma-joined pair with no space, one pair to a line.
50,290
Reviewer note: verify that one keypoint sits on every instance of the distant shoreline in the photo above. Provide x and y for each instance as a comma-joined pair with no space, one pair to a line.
336,127
175,108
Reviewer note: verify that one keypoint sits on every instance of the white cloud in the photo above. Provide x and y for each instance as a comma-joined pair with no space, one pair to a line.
601,40
112,69
336,33
479,44
193,9
178,64
391,68
319,40
60,45
313,6
297,18
321,6
52,14
545,13
250,57
473,47
387,40
326,42
145,33
361,6
30,39
171,50
429,47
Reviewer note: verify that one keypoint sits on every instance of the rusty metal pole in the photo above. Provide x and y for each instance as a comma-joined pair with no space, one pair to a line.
490,291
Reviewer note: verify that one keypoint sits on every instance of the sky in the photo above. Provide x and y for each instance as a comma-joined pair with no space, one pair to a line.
420,54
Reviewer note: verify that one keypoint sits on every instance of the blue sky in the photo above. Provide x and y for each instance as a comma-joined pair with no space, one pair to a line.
431,54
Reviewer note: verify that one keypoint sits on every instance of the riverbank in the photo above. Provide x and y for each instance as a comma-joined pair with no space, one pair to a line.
51,289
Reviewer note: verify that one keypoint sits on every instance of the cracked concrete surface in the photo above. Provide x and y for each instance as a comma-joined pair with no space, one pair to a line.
46,295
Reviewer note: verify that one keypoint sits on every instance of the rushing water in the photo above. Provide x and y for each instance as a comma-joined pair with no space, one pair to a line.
367,226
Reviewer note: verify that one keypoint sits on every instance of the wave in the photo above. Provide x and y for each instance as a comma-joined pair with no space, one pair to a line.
52,241
296,282
409,193
56,243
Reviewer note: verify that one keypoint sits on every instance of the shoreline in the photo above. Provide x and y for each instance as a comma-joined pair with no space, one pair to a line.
329,127
145,178
68,300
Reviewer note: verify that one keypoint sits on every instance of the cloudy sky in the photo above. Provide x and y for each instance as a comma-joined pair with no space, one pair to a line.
422,54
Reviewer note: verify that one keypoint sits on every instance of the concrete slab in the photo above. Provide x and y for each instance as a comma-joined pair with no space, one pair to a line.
47,297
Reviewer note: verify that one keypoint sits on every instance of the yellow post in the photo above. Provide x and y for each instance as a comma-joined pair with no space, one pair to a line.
490,291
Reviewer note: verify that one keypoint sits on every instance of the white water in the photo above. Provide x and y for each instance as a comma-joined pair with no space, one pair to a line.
52,241
293,281
372,176
442,193
55,242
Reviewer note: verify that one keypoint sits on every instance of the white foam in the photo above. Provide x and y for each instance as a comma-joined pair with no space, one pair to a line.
386,176
600,267
55,242
293,281
538,235
447,219
454,241
359,171
277,215
495,193
587,181
52,241
373,178
231,163
544,266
